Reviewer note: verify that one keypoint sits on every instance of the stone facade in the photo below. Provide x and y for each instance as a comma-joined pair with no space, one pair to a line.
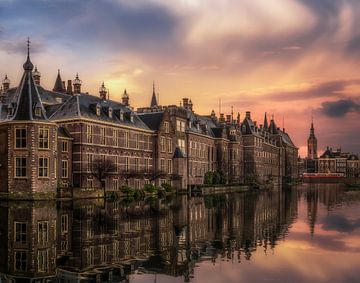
51,141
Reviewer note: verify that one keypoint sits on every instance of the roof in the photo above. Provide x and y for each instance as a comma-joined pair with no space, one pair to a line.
64,133
286,138
84,106
59,87
353,157
152,120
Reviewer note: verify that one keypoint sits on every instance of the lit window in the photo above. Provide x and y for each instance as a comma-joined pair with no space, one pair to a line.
43,138
20,138
20,167
167,128
38,112
169,166
110,112
43,167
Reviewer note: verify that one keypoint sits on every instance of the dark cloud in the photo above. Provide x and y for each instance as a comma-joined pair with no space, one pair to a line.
340,223
339,108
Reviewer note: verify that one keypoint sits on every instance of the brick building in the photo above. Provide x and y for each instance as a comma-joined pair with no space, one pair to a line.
50,141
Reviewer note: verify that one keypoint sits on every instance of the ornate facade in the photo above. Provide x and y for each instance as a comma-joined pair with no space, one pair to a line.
50,141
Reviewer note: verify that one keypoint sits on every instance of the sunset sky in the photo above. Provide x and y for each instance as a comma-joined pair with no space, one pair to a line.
291,58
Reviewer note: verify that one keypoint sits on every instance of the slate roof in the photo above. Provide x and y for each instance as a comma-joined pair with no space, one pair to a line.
59,87
84,106
353,157
63,132
286,138
152,119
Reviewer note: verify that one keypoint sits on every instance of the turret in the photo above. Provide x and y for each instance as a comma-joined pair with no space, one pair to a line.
125,98
103,91
36,76
77,84
6,84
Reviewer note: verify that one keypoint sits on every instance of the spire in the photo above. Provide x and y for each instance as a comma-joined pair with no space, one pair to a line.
153,98
59,86
28,105
28,66
266,124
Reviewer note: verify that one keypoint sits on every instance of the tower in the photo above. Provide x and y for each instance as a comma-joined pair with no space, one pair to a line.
77,84
312,143
125,98
103,91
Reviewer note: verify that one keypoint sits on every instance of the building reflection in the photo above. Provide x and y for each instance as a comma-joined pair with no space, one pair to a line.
97,241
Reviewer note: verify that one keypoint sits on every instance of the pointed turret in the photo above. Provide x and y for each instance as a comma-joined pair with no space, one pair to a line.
59,85
28,105
6,84
37,76
266,125
103,91
77,84
125,98
153,98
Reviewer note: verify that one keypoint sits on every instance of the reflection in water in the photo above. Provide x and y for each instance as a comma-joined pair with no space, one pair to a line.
107,241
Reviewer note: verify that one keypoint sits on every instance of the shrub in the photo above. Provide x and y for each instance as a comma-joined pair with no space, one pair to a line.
209,178
150,188
139,194
161,192
128,191
167,187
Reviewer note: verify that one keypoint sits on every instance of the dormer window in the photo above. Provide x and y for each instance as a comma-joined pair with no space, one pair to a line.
121,115
132,118
244,128
10,110
98,109
110,112
38,112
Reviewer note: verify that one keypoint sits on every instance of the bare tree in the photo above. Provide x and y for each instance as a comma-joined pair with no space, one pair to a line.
129,174
101,169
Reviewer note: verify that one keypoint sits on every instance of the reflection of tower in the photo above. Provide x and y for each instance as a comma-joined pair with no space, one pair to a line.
312,143
312,198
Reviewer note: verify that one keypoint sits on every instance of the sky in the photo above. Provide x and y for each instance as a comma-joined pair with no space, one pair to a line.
294,59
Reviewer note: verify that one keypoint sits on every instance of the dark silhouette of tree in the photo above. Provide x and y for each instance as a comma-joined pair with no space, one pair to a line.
101,169
129,174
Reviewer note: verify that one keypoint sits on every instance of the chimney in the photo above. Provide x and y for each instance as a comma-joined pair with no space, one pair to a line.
63,83
228,118
222,118
69,88
103,91
248,115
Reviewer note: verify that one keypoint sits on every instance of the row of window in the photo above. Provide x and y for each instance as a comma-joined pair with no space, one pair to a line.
43,167
166,145
135,161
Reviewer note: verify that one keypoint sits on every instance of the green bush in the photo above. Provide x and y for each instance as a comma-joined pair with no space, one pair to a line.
161,192
209,178
150,188
128,191
139,194
167,187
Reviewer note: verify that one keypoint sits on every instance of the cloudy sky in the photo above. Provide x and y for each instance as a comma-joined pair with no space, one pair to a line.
291,58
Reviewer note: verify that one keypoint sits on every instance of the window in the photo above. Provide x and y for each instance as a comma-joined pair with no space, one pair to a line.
89,131
137,167
180,126
43,138
162,165
20,261
20,232
20,167
64,223
169,166
43,167
169,145
102,136
162,144
64,169
89,161
98,110
38,111
20,138
43,260
43,232
110,112
115,184
126,164
65,146
137,140
181,145
126,139
167,128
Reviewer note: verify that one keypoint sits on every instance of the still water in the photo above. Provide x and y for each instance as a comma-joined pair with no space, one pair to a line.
305,234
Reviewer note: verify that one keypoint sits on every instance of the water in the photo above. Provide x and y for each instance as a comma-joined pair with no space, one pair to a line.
306,234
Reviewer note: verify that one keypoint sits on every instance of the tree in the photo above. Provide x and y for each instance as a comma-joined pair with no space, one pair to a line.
101,169
129,174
